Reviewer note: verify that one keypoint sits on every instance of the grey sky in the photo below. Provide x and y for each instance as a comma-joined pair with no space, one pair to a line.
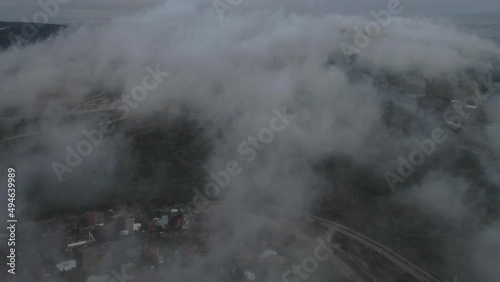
92,10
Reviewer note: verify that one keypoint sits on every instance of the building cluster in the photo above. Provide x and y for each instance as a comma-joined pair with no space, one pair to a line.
106,246
178,242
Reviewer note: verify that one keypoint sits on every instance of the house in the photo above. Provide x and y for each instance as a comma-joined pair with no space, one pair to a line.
174,212
271,257
163,221
66,265
152,224
94,218
248,277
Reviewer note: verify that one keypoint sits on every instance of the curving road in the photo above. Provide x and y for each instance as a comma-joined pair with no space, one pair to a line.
415,271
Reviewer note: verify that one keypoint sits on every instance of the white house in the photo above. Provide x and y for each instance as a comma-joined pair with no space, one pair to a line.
66,265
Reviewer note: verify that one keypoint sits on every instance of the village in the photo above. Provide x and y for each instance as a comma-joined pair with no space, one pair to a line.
137,245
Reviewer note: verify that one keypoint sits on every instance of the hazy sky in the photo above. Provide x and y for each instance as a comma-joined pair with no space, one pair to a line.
91,10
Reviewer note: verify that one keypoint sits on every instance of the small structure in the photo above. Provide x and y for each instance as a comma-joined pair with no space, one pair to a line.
80,241
267,253
163,221
248,276
94,218
66,265
271,257
152,224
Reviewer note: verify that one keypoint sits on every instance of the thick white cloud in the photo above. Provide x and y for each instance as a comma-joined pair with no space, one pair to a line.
231,74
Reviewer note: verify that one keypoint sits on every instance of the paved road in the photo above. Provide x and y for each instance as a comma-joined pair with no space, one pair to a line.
341,266
412,269
415,271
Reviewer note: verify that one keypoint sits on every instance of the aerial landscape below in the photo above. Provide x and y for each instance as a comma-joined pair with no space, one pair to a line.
250,141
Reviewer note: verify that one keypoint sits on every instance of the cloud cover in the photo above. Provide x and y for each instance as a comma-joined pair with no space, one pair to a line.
231,74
